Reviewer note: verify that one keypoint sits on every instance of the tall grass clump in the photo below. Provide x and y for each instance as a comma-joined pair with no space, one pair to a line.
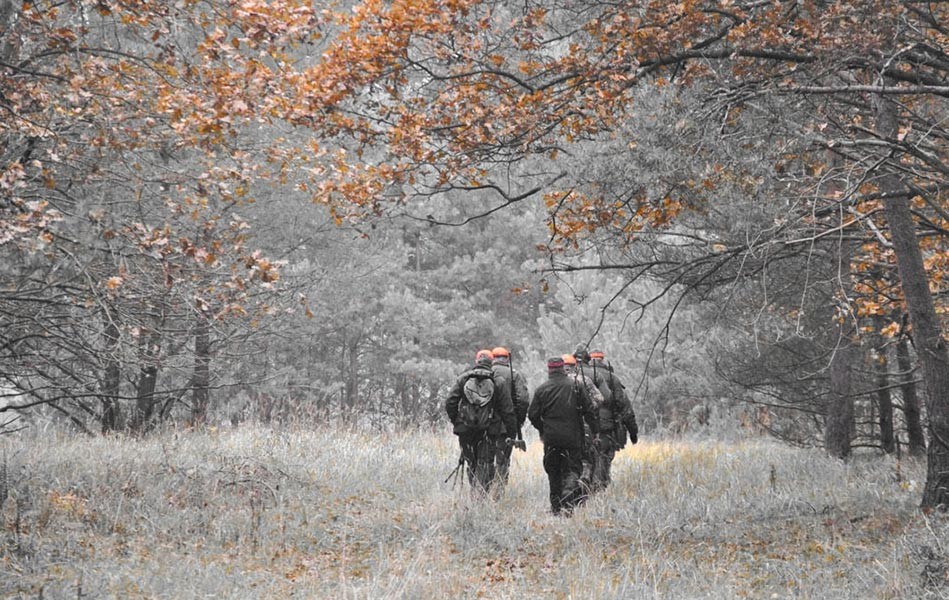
263,513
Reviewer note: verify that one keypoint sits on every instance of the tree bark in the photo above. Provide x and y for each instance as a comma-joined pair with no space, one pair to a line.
927,333
402,393
201,379
885,405
434,406
8,42
352,379
916,442
839,423
111,376
145,399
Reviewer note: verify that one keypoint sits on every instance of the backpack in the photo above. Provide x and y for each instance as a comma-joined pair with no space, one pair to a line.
475,408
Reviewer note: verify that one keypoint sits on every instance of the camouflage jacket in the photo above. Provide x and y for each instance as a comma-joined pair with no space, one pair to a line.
503,420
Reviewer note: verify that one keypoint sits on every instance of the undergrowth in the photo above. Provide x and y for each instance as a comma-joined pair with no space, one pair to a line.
259,513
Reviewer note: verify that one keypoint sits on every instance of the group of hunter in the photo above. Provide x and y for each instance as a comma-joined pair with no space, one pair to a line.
581,412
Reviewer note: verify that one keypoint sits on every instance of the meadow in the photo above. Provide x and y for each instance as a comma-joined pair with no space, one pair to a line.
253,512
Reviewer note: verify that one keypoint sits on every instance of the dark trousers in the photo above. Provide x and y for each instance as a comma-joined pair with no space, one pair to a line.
480,454
587,467
602,465
563,466
504,451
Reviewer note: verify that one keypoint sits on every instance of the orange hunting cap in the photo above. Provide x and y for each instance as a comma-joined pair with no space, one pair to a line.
569,359
483,357
500,351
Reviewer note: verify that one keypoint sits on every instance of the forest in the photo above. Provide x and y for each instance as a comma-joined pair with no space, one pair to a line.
292,214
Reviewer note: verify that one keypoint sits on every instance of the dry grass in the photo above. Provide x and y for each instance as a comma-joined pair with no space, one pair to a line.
255,513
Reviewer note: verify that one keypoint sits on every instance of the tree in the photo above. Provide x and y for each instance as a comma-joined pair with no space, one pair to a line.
435,98
117,223
499,89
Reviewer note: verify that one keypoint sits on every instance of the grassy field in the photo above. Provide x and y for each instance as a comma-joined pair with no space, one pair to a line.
257,513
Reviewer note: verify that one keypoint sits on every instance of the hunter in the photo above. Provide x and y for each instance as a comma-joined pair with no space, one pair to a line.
482,416
557,411
589,446
506,376
617,417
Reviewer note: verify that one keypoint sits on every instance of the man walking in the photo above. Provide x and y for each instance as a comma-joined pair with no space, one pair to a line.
506,376
482,417
590,450
558,409
616,416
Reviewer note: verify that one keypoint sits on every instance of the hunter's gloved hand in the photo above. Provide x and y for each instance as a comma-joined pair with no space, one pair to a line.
633,435
519,444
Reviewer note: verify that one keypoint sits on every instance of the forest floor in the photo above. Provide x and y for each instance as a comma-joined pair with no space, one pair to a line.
261,513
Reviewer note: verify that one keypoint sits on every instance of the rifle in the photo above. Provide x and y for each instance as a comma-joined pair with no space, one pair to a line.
579,389
459,471
519,443
597,386
583,384
609,367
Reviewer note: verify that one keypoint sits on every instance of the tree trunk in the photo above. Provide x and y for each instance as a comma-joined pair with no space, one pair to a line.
916,442
111,377
402,393
885,405
201,380
839,423
8,42
927,333
352,379
145,399
434,408
416,393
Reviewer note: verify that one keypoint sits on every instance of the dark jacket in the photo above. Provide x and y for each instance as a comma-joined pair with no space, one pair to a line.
503,420
603,381
620,415
627,418
521,398
556,411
